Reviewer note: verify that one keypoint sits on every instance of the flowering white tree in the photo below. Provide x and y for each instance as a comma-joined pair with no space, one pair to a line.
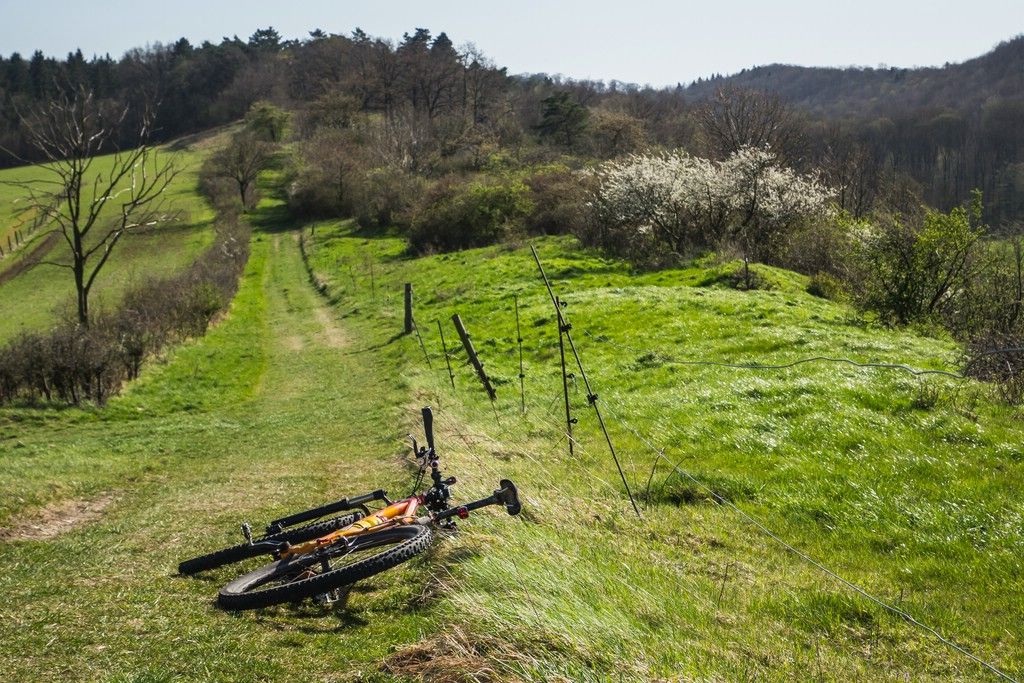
682,201
767,200
671,198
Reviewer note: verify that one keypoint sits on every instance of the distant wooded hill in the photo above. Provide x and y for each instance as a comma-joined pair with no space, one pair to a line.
856,91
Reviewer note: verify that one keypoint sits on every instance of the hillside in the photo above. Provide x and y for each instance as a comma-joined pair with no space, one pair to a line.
882,91
907,486
39,294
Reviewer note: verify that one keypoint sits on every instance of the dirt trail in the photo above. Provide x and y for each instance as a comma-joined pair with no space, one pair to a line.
55,519
30,259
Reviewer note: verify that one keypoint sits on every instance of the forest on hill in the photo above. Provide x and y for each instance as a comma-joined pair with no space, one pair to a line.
937,133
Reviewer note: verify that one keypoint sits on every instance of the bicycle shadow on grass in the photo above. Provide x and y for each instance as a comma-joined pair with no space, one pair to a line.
313,619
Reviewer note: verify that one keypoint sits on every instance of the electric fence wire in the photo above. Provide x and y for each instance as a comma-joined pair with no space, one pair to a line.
659,453
906,616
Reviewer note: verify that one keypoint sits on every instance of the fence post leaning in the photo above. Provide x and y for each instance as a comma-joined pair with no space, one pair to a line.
473,358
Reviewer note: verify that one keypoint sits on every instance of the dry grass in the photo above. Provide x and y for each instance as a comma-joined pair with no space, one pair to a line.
454,656
55,519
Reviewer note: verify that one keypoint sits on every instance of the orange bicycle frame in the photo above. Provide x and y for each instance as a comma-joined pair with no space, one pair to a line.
400,512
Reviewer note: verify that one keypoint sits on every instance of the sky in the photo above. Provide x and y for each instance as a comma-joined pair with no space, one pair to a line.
640,41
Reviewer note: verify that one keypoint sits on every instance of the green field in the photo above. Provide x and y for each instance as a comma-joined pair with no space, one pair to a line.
909,487
39,296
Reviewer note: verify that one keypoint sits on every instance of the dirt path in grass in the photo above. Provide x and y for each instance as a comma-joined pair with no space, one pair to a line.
55,519
21,263
268,413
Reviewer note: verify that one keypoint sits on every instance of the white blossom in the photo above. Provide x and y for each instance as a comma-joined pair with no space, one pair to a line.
685,199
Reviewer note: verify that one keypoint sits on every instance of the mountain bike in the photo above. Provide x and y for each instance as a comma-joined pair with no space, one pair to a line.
318,559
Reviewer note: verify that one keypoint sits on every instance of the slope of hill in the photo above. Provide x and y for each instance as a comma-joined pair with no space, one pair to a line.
907,486
40,293
867,91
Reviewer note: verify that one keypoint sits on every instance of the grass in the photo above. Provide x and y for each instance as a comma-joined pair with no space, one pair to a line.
908,487
35,298
252,420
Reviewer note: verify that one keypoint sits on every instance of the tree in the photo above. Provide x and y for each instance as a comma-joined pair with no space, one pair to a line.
241,161
654,201
616,133
737,118
92,205
563,119
267,121
265,40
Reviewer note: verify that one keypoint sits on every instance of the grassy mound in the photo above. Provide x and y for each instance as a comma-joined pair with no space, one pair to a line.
905,485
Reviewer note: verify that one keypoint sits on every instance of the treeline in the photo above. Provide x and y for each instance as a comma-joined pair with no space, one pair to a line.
936,133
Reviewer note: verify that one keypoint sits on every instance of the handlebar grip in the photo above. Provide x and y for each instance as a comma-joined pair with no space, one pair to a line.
428,426
379,494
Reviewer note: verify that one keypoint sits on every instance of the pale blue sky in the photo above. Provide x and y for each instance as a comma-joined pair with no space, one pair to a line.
644,41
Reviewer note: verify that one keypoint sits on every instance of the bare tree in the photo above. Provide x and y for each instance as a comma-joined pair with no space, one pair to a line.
92,205
241,161
737,118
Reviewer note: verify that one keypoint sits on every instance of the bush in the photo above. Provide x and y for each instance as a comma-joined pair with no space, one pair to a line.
826,286
385,196
909,271
560,200
822,247
457,215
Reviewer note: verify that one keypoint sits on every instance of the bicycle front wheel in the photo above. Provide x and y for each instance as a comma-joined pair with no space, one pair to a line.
305,576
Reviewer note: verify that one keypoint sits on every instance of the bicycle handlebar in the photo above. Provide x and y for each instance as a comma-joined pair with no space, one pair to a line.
344,504
507,495
428,426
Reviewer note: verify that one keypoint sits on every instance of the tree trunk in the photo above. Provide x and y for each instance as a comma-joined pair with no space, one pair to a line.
82,292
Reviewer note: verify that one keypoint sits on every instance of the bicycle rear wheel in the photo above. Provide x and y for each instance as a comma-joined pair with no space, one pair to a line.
244,551
305,576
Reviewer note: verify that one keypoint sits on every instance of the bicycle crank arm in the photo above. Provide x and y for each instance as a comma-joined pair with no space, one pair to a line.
339,506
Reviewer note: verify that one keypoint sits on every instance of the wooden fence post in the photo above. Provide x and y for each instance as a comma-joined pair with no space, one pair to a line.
473,358
408,308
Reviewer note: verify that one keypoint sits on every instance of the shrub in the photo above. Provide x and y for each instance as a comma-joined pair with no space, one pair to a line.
908,271
560,200
457,215
385,196
826,286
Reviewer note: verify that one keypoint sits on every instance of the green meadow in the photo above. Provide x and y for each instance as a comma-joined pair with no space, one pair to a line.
44,293
908,486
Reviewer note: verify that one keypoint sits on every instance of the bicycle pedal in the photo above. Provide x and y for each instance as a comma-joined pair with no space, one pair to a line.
247,532
328,598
